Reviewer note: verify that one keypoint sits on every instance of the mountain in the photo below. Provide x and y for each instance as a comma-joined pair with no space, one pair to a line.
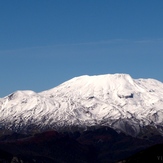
45,147
151,154
101,145
97,146
131,106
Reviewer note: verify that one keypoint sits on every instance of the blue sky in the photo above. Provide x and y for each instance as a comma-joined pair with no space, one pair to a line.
46,42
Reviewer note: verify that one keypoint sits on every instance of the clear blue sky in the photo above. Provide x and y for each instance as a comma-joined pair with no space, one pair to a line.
46,42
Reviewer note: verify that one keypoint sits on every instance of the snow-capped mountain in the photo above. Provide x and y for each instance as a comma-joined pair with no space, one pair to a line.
114,100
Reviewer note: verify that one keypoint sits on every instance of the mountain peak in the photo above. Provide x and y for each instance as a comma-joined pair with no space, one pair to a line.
19,94
97,85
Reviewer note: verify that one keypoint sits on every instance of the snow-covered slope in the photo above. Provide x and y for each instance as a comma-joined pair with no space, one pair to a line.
116,100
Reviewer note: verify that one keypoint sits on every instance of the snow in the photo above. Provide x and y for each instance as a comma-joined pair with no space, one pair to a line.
115,100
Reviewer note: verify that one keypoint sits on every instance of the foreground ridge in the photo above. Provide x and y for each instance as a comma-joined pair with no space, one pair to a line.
115,100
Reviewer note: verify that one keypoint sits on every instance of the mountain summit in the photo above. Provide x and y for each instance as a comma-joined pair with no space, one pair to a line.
116,100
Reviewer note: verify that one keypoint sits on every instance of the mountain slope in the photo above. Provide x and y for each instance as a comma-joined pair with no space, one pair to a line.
46,147
125,104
